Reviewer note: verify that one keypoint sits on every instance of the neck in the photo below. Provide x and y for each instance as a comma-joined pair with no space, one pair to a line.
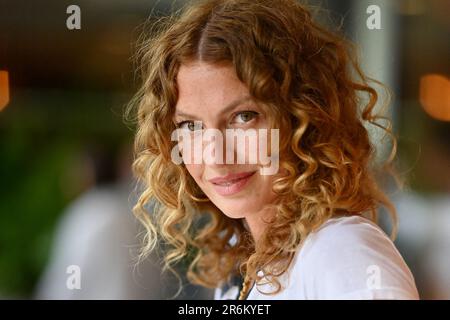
257,222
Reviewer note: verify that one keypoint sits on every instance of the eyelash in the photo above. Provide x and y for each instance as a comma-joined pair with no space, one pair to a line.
254,113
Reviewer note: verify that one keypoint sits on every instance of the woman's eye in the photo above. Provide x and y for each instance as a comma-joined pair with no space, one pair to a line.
189,125
245,116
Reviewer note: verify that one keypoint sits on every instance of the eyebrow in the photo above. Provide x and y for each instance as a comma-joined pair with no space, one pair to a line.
229,107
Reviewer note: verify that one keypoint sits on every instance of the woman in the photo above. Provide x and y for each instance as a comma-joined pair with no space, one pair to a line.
304,231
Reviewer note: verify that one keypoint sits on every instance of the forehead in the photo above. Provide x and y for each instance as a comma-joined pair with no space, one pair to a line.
208,87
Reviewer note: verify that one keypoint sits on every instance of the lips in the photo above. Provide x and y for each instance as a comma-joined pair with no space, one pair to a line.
231,184
231,178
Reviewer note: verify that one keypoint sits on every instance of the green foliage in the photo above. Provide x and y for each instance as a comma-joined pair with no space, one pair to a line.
41,137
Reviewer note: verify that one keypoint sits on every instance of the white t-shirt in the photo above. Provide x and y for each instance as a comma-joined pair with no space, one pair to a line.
348,257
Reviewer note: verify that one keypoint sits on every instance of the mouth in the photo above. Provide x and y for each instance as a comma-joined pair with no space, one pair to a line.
232,183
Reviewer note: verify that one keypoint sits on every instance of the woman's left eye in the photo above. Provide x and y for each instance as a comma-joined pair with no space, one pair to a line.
245,116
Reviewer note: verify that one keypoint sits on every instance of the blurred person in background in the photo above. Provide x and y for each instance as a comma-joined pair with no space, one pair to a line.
97,238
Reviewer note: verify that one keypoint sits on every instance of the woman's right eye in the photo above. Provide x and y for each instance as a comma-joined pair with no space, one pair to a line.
189,125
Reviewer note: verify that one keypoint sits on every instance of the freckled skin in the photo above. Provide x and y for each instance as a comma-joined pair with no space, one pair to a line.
204,91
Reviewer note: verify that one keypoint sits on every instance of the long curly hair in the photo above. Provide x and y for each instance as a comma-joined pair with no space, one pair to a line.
310,83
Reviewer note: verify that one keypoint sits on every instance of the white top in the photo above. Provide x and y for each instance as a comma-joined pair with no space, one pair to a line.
346,258
94,248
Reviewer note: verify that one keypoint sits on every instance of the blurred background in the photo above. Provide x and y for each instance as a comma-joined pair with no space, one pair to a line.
65,150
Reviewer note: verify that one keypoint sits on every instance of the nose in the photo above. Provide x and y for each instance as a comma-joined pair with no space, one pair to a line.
217,150
231,147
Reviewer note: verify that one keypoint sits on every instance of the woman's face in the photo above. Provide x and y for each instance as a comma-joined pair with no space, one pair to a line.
214,95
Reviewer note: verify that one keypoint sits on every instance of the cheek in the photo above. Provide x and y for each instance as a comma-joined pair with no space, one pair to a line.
196,171
265,192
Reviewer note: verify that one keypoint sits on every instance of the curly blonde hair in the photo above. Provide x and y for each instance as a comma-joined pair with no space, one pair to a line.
310,83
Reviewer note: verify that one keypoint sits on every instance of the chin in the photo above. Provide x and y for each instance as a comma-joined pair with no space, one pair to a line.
236,209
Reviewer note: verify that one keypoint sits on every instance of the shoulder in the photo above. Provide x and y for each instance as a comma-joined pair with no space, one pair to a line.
351,257
347,234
